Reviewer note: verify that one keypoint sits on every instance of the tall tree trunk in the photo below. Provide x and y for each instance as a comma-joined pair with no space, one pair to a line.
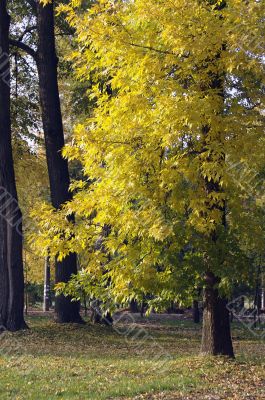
216,331
65,309
216,335
11,260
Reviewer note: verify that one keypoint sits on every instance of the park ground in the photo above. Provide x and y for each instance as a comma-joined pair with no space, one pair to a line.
155,358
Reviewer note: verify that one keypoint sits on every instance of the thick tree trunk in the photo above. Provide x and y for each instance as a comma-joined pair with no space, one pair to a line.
216,335
65,309
11,261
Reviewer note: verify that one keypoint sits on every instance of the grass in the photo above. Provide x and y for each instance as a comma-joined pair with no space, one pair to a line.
154,359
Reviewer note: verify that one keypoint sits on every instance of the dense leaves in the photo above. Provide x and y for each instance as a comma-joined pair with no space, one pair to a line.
179,91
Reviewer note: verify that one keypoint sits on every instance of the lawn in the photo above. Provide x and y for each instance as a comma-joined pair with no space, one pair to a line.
142,359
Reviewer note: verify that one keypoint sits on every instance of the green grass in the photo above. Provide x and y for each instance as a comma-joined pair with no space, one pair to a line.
96,362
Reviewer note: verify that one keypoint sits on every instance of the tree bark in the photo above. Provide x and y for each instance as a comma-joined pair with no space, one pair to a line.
11,260
46,58
216,335
134,306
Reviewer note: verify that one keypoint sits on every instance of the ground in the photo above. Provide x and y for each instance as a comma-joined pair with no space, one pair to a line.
139,359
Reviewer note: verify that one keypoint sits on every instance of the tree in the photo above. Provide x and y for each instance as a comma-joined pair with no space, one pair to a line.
47,61
196,312
11,263
162,151
65,309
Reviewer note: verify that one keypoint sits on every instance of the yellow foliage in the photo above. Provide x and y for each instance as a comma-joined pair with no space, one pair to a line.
186,82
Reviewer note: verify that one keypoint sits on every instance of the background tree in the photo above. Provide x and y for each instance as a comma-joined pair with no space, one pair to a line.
11,264
43,52
65,309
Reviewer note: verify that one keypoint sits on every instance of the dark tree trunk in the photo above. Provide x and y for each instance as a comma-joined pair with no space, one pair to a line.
216,336
97,316
134,306
257,298
11,260
96,312
47,285
85,304
142,309
65,309
196,312
107,319
216,332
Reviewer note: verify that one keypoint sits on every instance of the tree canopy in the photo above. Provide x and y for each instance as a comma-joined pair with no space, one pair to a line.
173,151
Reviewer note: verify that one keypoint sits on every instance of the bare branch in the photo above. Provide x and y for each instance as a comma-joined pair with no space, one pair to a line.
152,49
27,30
24,47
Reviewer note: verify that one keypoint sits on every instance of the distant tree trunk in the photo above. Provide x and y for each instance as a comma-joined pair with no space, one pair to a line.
26,295
85,304
196,312
142,309
216,336
97,316
47,285
257,298
11,260
65,310
172,308
262,300
134,306
107,319
95,312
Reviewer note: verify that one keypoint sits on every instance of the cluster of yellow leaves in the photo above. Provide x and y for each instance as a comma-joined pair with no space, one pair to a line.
45,2
32,186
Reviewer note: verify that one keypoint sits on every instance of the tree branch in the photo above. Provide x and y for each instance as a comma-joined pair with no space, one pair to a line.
27,30
152,48
24,47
